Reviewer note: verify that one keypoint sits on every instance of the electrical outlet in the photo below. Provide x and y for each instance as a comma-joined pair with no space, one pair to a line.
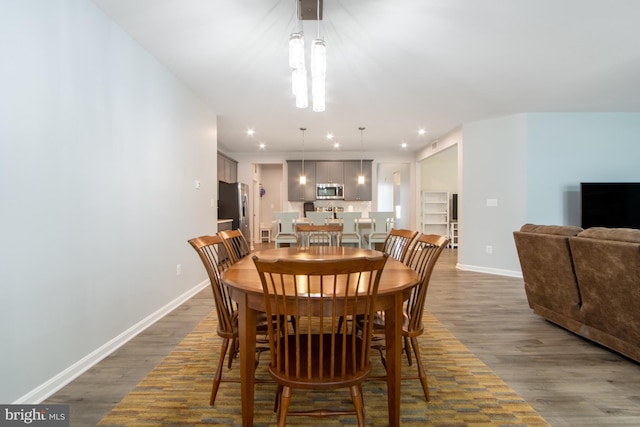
489,249
178,269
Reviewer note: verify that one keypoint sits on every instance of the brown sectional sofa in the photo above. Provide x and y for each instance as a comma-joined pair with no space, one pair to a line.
587,281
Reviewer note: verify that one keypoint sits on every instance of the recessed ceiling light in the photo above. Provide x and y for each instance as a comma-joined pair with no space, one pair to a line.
329,136
250,132
403,144
262,145
421,131
336,145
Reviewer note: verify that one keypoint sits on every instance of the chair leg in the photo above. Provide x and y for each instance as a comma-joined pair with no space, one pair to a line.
285,399
218,375
381,349
407,350
421,373
340,320
276,405
233,351
358,403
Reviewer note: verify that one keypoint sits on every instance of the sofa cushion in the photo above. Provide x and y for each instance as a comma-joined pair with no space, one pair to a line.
617,234
559,230
607,265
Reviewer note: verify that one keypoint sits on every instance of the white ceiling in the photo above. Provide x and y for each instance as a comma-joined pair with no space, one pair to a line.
393,66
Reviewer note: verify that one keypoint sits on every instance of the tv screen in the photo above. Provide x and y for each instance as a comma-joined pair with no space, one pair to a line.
610,204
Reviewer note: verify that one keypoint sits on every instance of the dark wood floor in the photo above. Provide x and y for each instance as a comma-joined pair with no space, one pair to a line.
568,380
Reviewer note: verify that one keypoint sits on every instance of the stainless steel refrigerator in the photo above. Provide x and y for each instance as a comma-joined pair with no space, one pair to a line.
233,203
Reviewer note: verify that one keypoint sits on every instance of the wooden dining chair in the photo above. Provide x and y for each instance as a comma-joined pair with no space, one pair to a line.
209,249
235,244
317,356
318,235
396,245
422,257
398,242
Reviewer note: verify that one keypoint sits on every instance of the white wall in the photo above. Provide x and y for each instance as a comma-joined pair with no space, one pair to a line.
532,164
99,150
392,194
434,147
440,172
493,168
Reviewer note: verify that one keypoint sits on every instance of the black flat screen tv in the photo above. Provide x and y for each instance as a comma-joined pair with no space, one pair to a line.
610,204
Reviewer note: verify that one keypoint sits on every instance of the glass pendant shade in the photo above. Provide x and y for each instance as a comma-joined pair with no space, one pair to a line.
296,50
300,87
318,58
360,179
317,92
293,81
318,73
303,179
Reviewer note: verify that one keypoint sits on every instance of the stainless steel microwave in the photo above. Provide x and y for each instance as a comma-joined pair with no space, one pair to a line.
329,191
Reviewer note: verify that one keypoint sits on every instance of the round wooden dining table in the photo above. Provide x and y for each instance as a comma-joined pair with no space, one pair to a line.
245,286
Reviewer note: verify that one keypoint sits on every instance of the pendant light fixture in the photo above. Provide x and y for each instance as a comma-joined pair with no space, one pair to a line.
303,177
298,68
361,176
296,62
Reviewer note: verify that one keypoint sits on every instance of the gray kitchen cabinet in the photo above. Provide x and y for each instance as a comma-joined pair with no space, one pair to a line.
227,169
299,192
233,171
352,190
221,165
329,172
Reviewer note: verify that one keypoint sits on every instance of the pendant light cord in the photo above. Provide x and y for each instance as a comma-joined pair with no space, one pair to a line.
361,148
318,19
303,129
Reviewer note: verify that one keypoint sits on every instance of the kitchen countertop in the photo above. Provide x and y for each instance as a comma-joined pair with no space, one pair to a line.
224,220
305,220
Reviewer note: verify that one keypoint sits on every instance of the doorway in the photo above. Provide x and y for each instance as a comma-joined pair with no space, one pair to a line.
394,191
268,194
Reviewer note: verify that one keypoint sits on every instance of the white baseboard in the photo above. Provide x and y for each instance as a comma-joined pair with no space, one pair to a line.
43,391
496,271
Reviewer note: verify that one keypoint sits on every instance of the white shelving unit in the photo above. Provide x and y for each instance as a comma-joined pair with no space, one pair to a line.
453,235
435,212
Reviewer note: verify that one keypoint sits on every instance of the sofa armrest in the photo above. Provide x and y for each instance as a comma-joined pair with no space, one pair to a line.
547,268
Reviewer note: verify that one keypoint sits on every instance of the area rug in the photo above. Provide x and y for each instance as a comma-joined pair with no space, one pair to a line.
464,391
